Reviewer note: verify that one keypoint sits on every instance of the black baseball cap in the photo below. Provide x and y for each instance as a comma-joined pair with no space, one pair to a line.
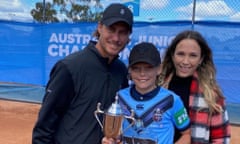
144,52
117,12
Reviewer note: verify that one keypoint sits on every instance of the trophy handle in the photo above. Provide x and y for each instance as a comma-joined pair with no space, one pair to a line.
131,117
96,112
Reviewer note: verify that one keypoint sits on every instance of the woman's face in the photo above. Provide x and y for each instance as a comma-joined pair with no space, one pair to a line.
187,57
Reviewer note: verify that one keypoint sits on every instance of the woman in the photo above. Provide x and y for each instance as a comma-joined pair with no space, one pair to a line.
189,71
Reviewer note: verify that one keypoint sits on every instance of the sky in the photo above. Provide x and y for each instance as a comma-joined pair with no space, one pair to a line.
149,10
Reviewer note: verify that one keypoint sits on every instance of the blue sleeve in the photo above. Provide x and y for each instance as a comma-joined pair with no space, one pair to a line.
180,116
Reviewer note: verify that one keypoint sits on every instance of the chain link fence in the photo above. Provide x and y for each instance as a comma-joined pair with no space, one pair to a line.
148,10
176,10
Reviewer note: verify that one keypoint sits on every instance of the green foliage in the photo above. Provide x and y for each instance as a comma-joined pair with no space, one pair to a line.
50,14
68,11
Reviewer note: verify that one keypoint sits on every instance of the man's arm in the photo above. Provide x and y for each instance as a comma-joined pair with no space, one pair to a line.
56,100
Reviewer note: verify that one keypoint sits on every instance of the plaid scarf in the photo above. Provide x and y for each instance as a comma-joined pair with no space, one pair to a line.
205,129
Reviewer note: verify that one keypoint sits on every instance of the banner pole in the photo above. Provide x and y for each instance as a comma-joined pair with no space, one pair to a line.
44,11
193,14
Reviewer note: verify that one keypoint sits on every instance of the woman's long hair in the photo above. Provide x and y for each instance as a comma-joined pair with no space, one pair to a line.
206,70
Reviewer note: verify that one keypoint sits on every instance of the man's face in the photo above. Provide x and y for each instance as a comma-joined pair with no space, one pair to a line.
112,39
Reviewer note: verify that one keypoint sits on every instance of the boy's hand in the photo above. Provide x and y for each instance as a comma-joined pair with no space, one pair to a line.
106,140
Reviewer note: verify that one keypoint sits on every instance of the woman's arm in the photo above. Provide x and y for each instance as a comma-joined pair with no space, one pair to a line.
185,137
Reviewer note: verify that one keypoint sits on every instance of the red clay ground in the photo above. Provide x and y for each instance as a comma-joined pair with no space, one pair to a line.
17,120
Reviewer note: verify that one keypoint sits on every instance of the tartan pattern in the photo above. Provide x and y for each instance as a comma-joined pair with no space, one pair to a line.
205,130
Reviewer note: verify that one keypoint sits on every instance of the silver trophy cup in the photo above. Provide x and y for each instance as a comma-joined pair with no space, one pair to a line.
113,119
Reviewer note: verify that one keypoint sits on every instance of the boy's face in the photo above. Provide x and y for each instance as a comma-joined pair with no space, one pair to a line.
144,76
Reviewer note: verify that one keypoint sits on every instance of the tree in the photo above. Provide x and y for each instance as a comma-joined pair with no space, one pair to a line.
44,15
79,10
68,11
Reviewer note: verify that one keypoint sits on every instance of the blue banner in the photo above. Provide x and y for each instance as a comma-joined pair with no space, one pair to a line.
29,50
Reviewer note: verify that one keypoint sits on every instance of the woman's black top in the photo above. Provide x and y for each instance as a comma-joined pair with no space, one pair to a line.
181,86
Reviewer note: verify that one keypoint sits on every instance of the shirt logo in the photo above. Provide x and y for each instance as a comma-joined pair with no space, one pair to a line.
139,106
157,116
181,116
122,11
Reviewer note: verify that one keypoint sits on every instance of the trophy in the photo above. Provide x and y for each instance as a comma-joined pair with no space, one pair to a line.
113,119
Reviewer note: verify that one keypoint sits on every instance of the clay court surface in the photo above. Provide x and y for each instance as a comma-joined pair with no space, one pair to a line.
17,120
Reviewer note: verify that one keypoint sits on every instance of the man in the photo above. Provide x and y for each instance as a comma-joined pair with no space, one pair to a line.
81,80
